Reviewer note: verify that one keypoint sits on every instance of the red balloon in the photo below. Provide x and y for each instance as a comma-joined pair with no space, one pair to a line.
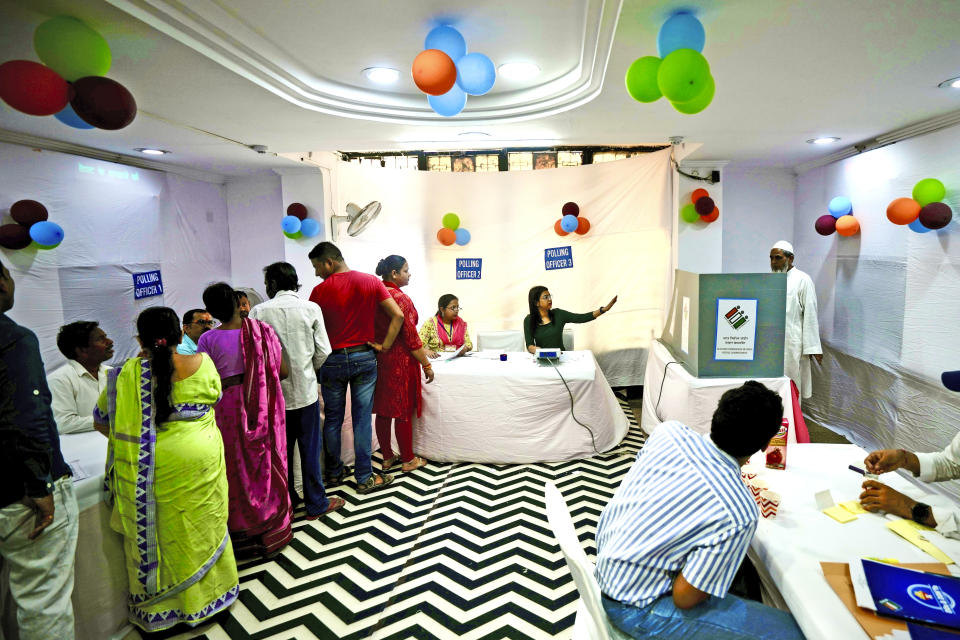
14,236
704,205
713,215
434,72
559,229
32,88
697,194
825,225
104,103
935,215
446,236
583,225
571,209
298,210
28,212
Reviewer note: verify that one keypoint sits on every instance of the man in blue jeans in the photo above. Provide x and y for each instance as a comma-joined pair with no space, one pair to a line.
674,534
350,301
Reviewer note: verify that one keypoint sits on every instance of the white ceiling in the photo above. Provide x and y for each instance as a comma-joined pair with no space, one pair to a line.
786,71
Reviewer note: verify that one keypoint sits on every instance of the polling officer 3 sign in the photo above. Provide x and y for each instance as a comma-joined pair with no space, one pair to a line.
147,284
558,258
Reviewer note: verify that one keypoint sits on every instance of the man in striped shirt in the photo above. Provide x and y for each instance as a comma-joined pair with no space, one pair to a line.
674,534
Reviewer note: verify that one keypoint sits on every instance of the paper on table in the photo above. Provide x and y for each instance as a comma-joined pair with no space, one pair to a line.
861,588
79,473
912,532
839,514
449,355
853,506
823,499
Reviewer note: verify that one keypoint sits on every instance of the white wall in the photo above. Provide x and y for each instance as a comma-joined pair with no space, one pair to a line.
700,244
255,207
758,211
305,186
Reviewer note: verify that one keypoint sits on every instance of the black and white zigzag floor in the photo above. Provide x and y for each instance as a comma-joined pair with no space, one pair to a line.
448,551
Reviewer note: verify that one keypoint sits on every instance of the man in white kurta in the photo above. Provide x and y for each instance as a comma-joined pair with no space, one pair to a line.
801,340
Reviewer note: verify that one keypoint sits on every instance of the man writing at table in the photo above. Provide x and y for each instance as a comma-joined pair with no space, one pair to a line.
672,537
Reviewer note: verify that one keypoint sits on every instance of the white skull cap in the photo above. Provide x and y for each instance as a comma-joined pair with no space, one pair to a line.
783,245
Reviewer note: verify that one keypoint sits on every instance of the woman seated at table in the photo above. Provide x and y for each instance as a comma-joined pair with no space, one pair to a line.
445,330
543,327
167,479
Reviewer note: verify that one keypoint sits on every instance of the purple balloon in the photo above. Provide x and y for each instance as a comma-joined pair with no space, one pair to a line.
704,205
825,225
935,215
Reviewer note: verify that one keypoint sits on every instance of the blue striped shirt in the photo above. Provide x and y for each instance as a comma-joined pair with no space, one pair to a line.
682,506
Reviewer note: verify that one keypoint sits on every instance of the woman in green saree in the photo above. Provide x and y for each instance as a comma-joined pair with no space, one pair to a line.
167,479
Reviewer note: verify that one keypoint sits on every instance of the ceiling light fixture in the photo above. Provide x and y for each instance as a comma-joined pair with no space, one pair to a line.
518,70
152,152
381,75
952,83
823,140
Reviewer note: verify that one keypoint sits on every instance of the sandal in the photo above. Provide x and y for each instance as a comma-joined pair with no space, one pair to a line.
414,464
335,503
374,482
389,462
337,480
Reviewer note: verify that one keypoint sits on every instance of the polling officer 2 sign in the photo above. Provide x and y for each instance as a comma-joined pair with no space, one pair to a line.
147,284
469,268
558,258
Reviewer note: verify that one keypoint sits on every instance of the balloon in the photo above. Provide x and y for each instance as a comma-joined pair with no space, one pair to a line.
903,210
71,48
569,223
476,74
935,215
463,236
689,214
28,212
825,224
558,228
291,224
46,233
451,221
847,225
448,40
434,72
705,206
681,31
446,236
32,88
309,228
583,225
699,103
70,118
683,75
713,215
929,190
570,209
104,103
293,236
298,210
917,226
449,104
840,206
641,79
14,236
697,194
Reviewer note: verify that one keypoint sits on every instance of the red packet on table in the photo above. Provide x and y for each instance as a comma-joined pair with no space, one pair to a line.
776,452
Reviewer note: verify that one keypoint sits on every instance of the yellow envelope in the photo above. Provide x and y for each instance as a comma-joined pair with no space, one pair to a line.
853,506
839,514
913,533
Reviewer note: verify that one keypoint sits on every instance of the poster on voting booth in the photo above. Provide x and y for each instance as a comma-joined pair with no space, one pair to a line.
736,329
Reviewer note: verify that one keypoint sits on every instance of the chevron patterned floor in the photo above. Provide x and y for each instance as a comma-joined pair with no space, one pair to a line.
448,551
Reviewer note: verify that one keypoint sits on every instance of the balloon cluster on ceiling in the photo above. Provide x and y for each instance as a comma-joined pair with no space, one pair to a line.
681,73
924,211
571,221
448,74
840,218
70,85
452,231
297,225
30,228
701,208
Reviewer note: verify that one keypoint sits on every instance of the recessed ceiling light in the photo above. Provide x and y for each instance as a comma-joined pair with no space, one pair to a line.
952,83
152,152
823,140
474,134
381,75
518,70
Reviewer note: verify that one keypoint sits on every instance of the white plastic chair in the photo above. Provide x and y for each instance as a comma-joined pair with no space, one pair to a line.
591,621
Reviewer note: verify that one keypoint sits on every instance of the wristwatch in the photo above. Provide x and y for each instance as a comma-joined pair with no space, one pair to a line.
920,512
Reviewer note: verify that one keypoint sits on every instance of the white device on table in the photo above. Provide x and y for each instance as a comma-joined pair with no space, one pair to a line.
548,354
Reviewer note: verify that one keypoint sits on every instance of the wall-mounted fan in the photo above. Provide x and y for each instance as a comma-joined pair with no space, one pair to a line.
357,217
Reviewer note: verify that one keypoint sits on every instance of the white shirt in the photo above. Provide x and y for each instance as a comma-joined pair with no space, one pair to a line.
75,393
802,331
943,465
299,325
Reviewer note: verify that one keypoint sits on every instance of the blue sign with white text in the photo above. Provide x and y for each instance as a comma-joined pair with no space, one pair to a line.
147,284
469,268
558,258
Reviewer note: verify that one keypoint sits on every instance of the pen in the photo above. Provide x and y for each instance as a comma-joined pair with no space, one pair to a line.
871,476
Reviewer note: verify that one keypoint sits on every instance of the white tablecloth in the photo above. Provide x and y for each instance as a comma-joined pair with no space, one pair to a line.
692,401
788,549
479,409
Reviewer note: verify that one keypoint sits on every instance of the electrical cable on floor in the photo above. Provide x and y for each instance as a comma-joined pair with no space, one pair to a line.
663,381
572,414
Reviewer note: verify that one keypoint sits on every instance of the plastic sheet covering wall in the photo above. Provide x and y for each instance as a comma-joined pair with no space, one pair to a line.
117,220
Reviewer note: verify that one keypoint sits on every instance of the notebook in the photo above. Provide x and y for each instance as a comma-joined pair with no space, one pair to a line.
904,593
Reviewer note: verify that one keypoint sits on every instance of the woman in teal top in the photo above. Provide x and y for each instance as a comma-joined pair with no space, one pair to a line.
543,327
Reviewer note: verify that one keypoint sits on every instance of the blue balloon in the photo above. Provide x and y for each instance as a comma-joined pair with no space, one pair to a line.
917,226
46,233
475,74
309,228
448,40
70,118
680,31
463,236
449,104
569,223
291,224
840,206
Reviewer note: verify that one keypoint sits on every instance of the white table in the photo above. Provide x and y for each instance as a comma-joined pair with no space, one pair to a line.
787,550
479,409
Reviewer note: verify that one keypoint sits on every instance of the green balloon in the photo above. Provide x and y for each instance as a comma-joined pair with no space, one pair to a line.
683,75
689,214
43,247
642,79
71,48
699,103
451,221
929,190
293,236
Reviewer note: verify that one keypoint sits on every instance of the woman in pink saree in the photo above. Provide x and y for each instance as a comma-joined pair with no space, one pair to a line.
250,416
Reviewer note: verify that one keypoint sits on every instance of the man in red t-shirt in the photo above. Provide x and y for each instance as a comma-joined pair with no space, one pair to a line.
349,301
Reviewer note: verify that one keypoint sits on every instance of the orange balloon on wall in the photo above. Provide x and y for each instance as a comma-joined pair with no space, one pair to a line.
434,72
583,225
847,225
902,211
559,229
697,194
446,236
713,215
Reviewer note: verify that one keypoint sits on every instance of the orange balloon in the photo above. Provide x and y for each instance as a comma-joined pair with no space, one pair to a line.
559,229
434,72
901,211
583,225
713,215
446,236
697,194
847,225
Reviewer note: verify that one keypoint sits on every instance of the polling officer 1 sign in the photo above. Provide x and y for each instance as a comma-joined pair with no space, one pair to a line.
147,284
558,258
469,268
